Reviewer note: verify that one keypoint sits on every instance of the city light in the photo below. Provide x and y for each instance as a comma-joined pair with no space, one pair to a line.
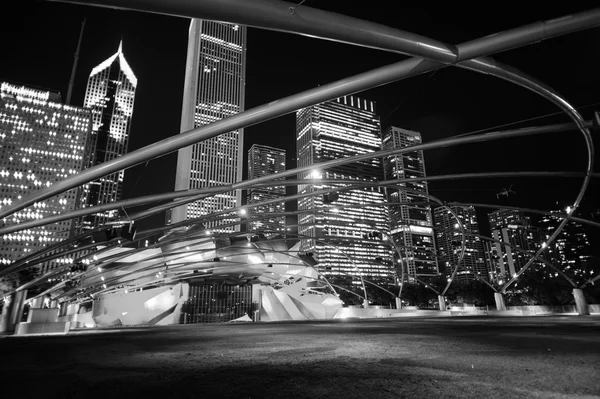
315,174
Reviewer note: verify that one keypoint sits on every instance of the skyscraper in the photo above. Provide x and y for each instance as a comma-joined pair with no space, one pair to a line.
571,250
264,161
449,242
513,227
42,142
344,244
214,89
110,95
411,224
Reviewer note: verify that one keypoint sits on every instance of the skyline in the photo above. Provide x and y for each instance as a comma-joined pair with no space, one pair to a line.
434,105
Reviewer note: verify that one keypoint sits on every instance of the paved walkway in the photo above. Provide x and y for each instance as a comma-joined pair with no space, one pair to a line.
459,357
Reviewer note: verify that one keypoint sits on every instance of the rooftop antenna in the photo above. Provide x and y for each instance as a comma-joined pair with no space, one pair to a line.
72,80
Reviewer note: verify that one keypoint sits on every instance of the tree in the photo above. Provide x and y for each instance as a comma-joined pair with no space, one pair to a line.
12,281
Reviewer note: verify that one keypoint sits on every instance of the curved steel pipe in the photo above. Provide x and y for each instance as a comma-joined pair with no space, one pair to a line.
266,180
512,75
485,66
377,77
277,16
286,17
529,210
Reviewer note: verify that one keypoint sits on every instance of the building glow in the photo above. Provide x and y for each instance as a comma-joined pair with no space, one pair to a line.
110,95
411,225
449,243
264,161
213,90
337,129
42,142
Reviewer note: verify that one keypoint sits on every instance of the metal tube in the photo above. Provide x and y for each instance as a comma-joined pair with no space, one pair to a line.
225,188
517,77
480,65
529,210
377,77
278,16
218,189
247,118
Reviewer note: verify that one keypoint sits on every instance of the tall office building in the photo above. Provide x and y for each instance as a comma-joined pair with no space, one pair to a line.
265,161
110,94
213,90
571,250
411,225
514,228
343,222
449,243
42,142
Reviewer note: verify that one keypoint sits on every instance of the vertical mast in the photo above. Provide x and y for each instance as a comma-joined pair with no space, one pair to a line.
72,80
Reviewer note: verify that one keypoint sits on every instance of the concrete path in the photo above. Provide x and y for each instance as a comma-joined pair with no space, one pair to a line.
460,357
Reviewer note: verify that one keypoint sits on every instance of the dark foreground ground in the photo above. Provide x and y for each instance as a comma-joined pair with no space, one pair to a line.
460,357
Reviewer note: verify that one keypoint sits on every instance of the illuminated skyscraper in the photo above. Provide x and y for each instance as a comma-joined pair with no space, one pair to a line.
42,142
513,227
411,224
449,241
264,161
214,89
344,246
571,250
110,94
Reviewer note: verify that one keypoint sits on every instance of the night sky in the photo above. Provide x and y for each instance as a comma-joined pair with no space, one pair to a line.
39,39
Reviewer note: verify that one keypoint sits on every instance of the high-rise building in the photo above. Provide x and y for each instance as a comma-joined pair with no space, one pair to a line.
264,160
213,90
514,228
571,250
110,95
411,225
343,222
42,142
449,243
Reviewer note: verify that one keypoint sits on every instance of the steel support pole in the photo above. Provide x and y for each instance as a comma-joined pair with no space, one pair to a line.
442,302
580,302
499,298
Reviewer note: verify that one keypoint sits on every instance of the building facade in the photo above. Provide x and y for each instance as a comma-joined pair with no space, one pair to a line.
411,224
265,161
42,142
571,250
341,224
449,243
514,228
110,96
214,89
